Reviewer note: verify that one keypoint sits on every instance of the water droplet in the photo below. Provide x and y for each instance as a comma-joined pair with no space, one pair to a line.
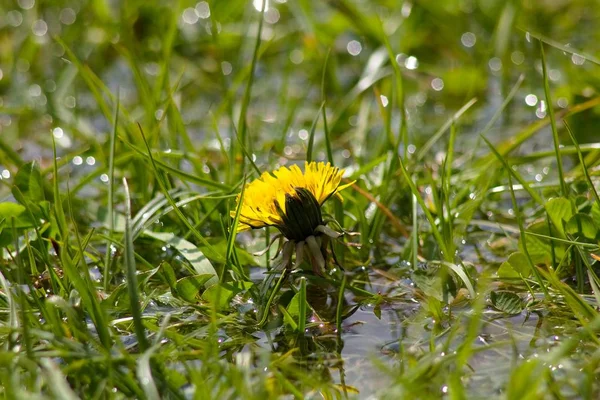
90,160
77,160
468,39
189,16
39,27
5,174
258,5
554,74
203,10
226,67
296,56
577,59
495,64
26,4
67,16
70,102
531,100
562,102
57,132
517,57
35,90
104,178
411,63
384,100
272,16
14,18
303,134
437,84
354,47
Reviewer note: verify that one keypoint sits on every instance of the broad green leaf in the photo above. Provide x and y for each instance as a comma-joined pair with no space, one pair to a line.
506,301
559,210
539,250
243,256
190,286
293,307
431,285
9,210
29,182
190,252
515,266
595,213
225,294
582,226
167,271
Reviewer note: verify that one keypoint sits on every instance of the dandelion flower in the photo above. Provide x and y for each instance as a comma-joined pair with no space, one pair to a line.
290,200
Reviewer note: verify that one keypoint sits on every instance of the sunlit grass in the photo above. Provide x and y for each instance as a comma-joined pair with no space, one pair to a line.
468,267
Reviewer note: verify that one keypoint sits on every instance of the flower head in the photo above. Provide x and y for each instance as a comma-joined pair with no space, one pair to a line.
290,199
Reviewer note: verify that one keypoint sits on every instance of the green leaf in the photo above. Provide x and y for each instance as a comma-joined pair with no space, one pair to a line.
9,210
287,318
595,213
559,210
190,252
507,302
245,258
169,275
430,285
222,293
515,266
582,226
539,250
190,286
29,182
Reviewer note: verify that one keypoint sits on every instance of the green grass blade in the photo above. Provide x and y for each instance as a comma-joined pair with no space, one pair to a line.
131,272
550,106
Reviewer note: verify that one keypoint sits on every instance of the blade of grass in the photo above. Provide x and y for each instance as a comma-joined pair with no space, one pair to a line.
438,134
550,106
434,229
324,109
131,272
519,219
582,163
302,306
313,128
111,180
536,197
209,251
241,126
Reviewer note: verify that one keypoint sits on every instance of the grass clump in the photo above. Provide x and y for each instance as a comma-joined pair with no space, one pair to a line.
468,264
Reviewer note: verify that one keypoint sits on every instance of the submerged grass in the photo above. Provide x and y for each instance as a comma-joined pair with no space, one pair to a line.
463,271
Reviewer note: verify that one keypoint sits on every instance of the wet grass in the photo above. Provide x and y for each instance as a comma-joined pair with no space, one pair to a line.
126,131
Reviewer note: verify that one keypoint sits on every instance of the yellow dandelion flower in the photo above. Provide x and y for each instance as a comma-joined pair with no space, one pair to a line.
290,199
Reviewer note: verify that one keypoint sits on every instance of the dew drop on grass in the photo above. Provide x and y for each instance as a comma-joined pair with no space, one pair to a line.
468,39
577,59
531,100
14,18
67,16
354,47
411,63
203,10
39,27
517,57
437,84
